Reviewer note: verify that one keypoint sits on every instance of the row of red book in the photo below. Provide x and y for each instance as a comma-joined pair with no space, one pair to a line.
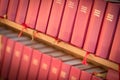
92,25
22,62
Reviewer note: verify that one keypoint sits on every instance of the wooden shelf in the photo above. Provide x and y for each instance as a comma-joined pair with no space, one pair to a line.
65,46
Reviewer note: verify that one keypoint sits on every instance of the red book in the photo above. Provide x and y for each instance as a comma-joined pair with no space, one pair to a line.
85,76
64,72
25,63
3,7
34,67
22,10
54,69
12,9
112,75
0,49
32,13
3,41
15,62
44,67
74,73
96,78
108,30
68,20
43,16
94,25
55,17
81,22
7,58
115,50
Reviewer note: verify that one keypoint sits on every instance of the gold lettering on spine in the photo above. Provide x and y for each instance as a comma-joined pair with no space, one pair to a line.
83,9
63,74
44,66
97,13
35,62
59,1
25,57
8,49
71,4
110,17
54,70
17,54
73,78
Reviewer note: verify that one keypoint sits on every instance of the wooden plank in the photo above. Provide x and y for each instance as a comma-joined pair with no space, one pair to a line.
65,46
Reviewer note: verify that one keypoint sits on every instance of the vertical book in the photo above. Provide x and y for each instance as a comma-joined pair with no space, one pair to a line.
25,63
55,18
68,20
81,22
21,12
12,9
108,30
15,62
94,25
74,73
64,71
44,67
54,69
7,59
32,13
115,50
3,7
34,66
43,15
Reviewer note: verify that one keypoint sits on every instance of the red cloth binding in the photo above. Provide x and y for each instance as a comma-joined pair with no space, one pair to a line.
85,58
24,27
1,17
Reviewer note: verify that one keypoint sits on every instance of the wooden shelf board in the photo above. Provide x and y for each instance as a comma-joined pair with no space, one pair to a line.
65,46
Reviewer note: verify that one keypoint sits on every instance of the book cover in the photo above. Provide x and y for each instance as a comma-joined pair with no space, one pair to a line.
12,9
15,62
3,41
44,14
115,50
55,17
44,67
7,58
21,12
25,63
112,75
64,71
108,30
94,26
3,7
32,13
54,69
85,75
81,22
74,73
34,66
68,20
